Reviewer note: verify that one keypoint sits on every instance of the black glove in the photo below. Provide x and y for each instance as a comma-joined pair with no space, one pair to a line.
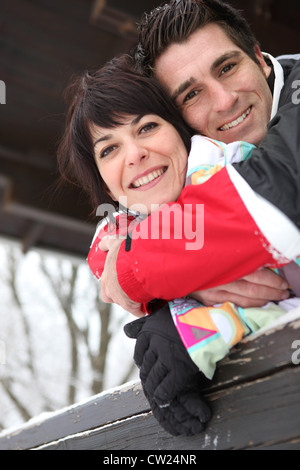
171,380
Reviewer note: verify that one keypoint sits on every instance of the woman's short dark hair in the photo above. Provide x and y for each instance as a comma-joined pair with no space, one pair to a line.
103,98
175,21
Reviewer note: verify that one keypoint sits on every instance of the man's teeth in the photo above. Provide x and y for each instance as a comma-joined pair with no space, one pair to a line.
236,121
148,178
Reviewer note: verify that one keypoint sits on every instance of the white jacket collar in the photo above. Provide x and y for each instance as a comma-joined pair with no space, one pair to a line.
278,84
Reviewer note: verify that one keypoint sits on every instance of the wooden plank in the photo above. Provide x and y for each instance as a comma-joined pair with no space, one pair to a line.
37,187
50,218
293,445
32,236
5,190
42,45
97,8
263,413
260,354
98,411
130,8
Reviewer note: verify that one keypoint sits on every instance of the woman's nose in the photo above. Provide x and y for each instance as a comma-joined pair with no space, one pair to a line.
135,153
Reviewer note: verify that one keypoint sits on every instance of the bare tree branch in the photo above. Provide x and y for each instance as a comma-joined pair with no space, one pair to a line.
99,360
7,386
66,300
11,280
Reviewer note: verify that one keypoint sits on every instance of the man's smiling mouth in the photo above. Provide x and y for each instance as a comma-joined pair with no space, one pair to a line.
237,121
148,178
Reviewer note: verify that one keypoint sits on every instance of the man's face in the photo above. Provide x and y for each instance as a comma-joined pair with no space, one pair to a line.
220,91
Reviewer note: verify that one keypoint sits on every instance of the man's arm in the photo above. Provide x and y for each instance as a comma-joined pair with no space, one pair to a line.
254,290
233,245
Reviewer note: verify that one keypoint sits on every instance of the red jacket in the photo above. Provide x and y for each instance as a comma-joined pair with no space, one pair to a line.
167,266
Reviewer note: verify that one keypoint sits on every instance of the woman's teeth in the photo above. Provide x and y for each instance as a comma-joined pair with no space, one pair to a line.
148,178
236,121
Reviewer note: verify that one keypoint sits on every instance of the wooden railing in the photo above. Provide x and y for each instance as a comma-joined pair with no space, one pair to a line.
254,396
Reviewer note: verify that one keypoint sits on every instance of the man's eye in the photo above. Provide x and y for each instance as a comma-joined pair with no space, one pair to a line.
190,95
105,152
148,127
227,68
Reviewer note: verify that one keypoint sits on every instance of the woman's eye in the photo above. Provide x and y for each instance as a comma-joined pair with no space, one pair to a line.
148,127
105,152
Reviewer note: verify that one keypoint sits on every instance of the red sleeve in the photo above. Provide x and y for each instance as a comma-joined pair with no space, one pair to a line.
207,238
96,257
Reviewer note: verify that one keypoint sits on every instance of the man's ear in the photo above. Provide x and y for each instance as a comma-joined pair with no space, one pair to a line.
266,69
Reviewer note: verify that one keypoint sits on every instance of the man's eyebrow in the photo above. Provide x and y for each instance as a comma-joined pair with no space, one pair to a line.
182,87
227,56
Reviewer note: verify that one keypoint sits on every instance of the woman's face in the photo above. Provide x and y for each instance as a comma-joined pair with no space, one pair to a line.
143,161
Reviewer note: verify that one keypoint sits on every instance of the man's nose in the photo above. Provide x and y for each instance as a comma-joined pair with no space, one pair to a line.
135,153
223,98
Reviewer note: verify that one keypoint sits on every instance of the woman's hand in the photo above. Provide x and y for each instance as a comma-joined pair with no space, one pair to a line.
111,291
254,290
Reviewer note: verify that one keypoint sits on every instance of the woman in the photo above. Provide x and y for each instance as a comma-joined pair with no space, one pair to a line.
77,164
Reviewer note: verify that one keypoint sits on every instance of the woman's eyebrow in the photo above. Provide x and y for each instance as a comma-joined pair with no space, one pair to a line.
110,136
103,139
137,119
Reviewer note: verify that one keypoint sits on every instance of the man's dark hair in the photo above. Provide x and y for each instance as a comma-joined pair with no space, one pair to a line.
176,21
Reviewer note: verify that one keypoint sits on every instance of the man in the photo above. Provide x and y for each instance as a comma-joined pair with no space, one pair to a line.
258,95
208,60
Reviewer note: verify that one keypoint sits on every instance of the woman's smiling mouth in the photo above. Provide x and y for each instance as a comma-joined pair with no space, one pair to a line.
148,178
237,121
